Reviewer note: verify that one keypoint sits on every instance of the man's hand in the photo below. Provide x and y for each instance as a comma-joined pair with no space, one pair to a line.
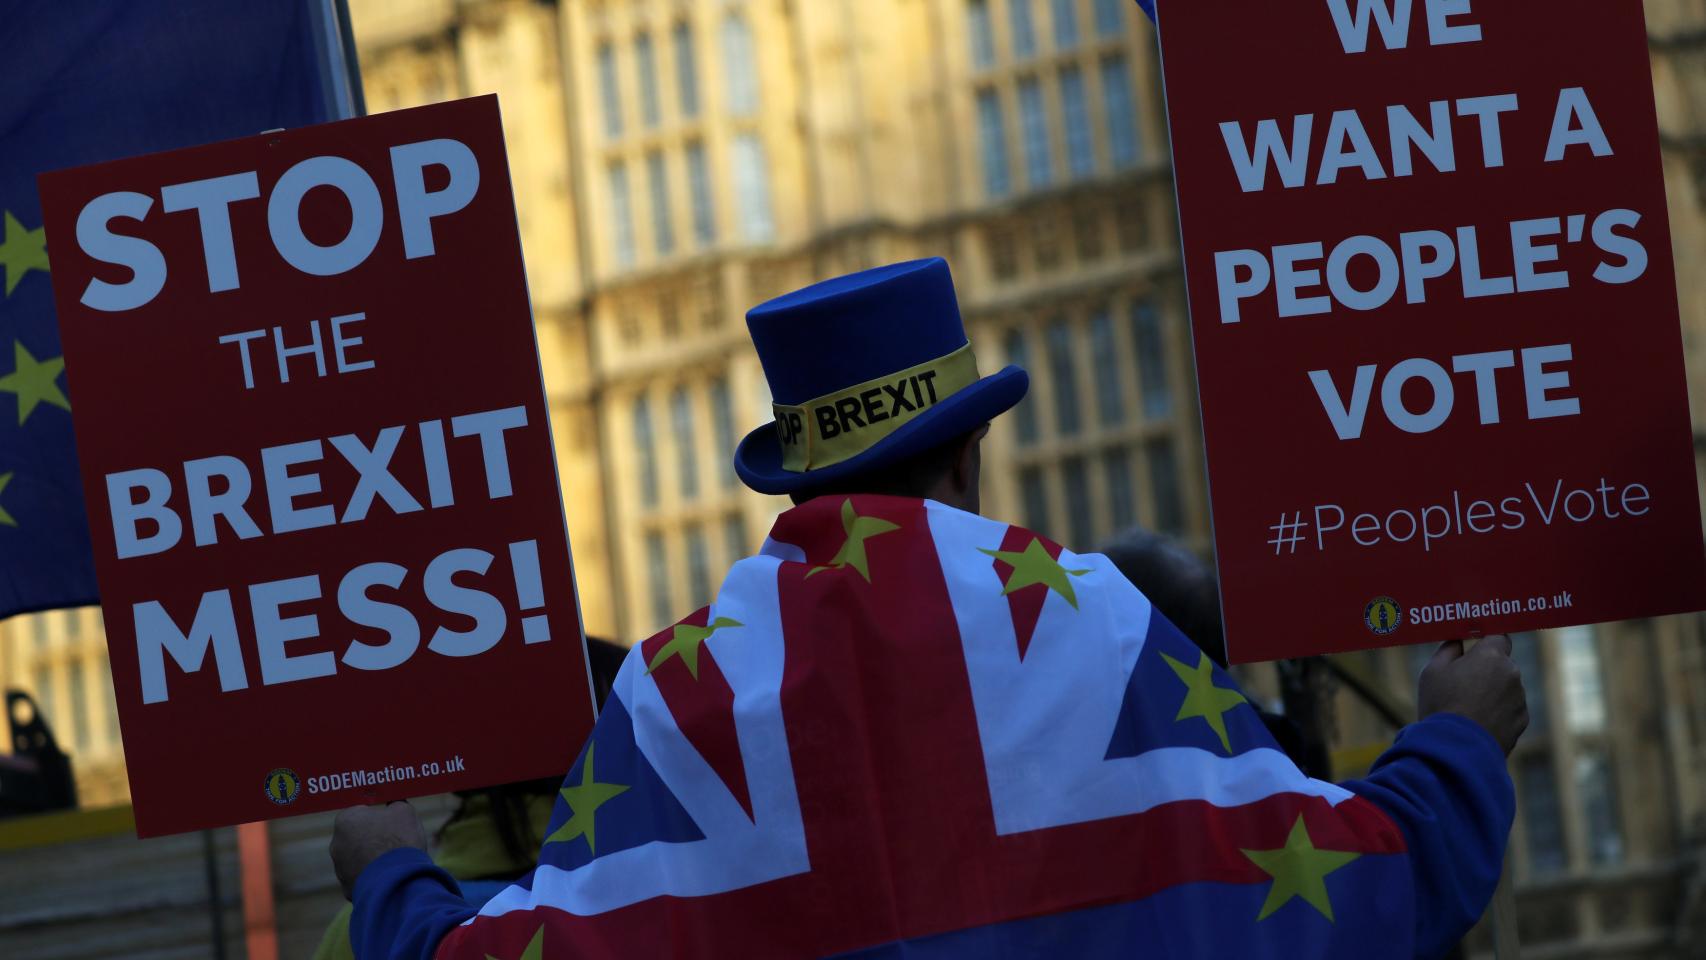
363,834
1483,685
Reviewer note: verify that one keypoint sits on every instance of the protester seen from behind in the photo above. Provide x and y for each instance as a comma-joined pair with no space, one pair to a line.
904,729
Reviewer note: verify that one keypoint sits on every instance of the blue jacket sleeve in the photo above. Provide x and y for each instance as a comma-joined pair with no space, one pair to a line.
404,905
1445,783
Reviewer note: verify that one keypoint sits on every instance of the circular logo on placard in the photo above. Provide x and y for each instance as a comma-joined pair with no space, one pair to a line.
1382,616
283,785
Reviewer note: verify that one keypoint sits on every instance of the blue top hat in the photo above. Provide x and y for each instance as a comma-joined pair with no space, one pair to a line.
866,370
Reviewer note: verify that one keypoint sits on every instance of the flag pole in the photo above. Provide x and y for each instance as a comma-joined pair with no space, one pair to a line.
334,47
215,902
1505,943
352,62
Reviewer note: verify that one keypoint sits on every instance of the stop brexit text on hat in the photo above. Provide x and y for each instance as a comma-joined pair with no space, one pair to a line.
318,466
1434,308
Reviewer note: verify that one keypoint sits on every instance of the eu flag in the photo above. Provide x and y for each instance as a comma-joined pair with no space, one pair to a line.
96,80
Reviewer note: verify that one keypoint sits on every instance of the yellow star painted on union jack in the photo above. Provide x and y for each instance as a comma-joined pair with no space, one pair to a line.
22,251
685,642
5,518
34,381
584,801
1299,869
1032,566
1203,698
535,948
852,553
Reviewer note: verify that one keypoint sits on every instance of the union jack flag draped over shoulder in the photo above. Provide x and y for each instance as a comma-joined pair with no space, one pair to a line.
904,730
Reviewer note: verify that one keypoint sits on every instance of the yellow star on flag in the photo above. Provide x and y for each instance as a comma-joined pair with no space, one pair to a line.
34,381
22,251
535,948
1299,870
684,643
852,553
1203,698
584,802
5,518
1034,566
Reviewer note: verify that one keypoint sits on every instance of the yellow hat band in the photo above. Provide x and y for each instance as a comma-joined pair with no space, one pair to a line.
844,424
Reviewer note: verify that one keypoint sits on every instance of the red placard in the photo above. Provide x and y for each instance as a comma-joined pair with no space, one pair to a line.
318,467
1435,316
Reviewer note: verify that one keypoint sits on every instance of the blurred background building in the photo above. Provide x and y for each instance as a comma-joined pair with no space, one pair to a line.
676,161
